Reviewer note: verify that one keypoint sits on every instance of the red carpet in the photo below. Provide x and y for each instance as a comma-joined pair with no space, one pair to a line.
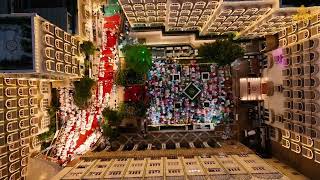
111,24
134,93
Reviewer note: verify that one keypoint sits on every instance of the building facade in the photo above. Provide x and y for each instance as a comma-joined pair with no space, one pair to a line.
32,45
23,115
296,122
203,163
248,19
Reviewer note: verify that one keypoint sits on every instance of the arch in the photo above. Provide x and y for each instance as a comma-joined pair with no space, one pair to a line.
49,40
11,91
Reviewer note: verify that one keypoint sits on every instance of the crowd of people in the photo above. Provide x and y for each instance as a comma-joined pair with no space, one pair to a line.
169,103
81,130
79,125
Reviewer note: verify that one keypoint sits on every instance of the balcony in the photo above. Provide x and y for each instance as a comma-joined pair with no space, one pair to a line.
25,151
60,67
49,53
302,35
15,176
24,123
23,102
67,48
306,152
24,161
10,81
11,115
33,111
23,91
59,56
59,44
295,147
306,141
33,101
23,113
24,133
11,103
285,143
68,69
50,66
59,33
22,82
11,92
13,137
48,28
49,40
14,166
33,91
67,37
34,121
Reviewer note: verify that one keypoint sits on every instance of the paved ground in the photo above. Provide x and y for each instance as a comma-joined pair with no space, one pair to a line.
171,138
285,169
39,169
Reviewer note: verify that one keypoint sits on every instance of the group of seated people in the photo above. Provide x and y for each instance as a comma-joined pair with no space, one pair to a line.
167,82
76,123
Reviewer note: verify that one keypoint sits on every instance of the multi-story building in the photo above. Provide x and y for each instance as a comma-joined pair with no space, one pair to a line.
32,45
289,92
34,53
248,19
23,115
229,161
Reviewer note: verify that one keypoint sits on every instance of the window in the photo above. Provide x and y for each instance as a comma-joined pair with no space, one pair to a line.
81,167
154,164
75,174
209,162
95,173
171,171
172,157
122,159
154,171
114,172
190,163
104,160
136,165
258,168
119,165
101,166
250,161
234,169
214,169
173,163
134,172
227,162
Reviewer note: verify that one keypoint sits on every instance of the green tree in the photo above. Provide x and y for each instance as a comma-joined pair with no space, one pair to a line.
52,127
138,57
223,52
83,91
109,131
133,109
88,48
126,77
113,117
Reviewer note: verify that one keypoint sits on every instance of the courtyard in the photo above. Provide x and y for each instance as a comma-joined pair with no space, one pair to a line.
191,93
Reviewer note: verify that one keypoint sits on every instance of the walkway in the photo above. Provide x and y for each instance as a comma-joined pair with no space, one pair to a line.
81,132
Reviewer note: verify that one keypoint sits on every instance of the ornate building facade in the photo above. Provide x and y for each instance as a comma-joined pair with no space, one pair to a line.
229,161
23,115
